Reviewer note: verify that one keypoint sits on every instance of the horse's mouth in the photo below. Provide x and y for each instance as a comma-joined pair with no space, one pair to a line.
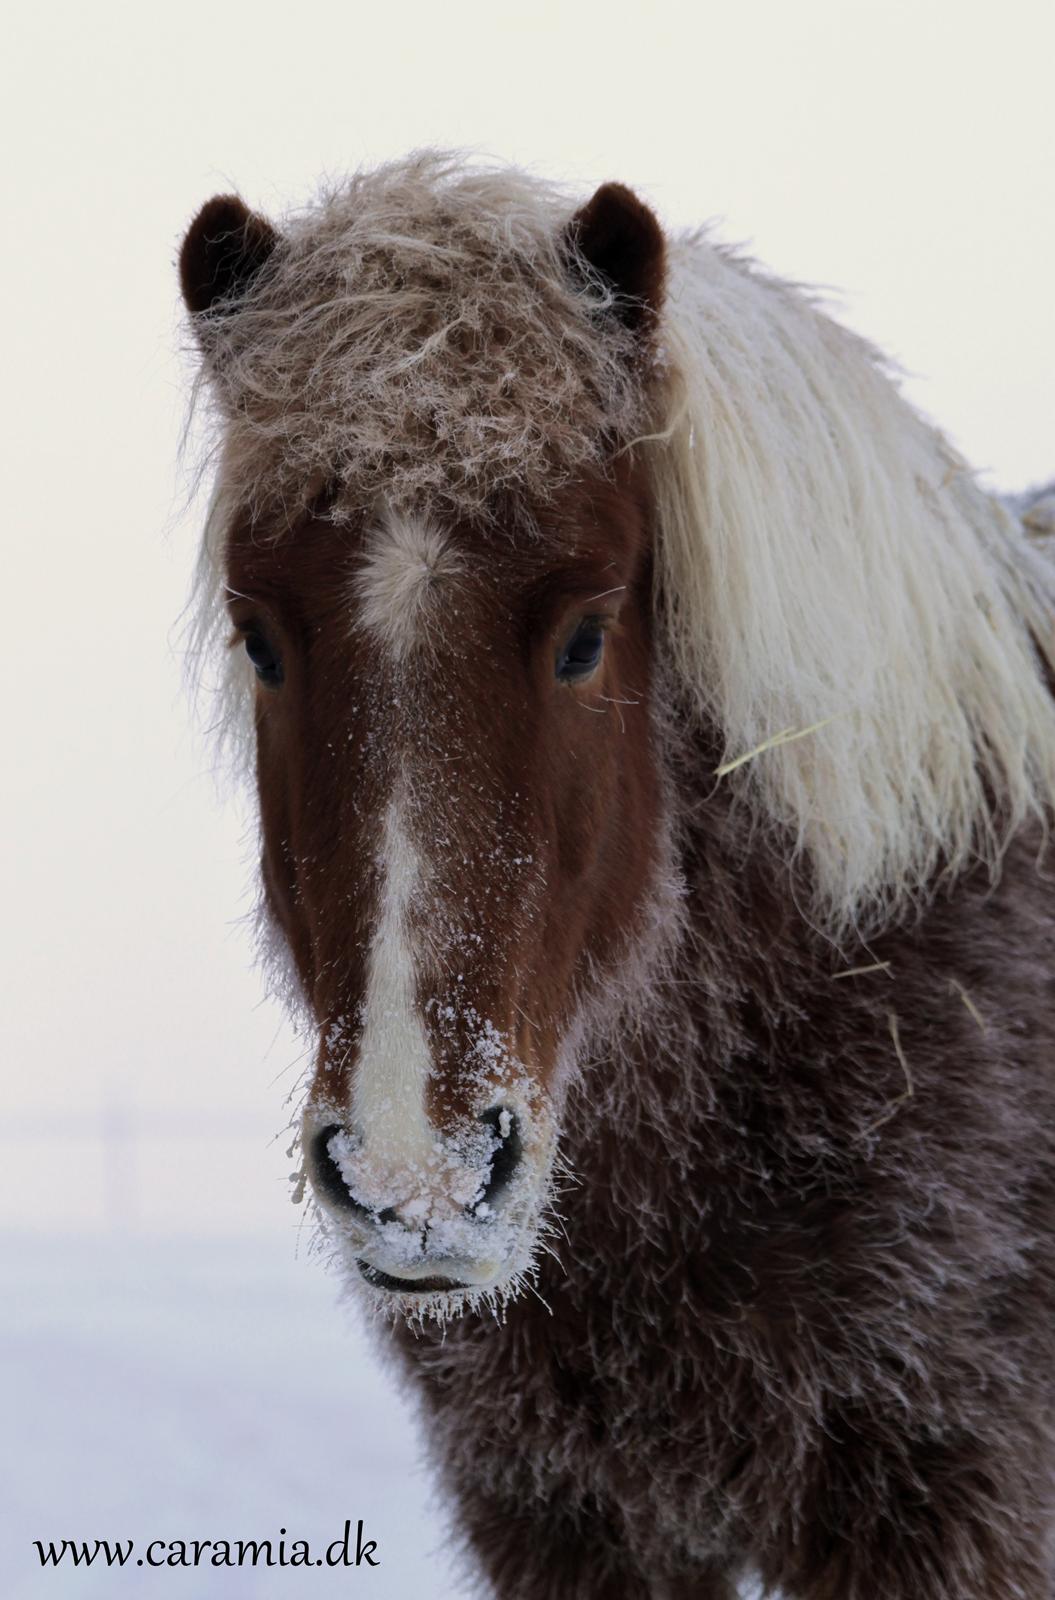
385,1280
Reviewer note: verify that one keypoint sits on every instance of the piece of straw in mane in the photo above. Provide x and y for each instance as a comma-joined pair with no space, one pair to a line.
423,337
826,560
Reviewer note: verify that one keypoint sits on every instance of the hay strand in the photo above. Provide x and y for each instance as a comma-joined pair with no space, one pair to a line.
910,1088
969,1004
786,736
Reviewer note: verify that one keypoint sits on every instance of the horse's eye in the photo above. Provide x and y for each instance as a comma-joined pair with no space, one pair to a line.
265,659
581,653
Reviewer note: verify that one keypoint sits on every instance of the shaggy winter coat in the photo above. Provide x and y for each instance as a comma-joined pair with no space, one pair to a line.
784,1304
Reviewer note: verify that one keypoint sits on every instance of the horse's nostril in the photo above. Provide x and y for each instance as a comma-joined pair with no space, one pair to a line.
327,1175
332,1185
507,1156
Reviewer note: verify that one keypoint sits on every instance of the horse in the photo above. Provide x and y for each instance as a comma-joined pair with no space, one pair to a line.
653,736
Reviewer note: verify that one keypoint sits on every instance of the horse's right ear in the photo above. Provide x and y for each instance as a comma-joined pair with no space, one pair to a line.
225,248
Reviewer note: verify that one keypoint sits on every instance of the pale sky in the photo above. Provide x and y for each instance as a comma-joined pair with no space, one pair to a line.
900,153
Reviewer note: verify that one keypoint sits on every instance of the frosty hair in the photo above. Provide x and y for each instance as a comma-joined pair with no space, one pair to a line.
827,562
425,335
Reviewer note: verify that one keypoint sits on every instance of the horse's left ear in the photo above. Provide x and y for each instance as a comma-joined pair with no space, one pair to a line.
619,237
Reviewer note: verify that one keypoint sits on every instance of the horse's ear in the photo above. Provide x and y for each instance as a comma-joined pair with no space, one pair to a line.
619,237
225,248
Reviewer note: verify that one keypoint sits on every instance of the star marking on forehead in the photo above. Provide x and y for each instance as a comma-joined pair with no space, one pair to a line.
407,566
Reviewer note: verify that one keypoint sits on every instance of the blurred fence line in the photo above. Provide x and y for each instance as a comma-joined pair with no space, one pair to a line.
102,1156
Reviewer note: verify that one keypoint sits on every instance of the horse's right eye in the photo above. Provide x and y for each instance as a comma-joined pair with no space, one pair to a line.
266,660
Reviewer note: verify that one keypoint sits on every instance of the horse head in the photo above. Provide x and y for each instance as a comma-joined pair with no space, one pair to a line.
455,749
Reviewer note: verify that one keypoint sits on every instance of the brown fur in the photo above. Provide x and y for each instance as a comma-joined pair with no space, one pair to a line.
797,1321
801,1318
225,248
575,787
623,242
788,1331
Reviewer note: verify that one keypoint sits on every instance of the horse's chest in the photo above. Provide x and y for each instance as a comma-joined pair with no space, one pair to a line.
602,1409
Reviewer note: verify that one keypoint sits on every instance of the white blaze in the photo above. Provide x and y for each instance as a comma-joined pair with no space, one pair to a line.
395,1159
388,1098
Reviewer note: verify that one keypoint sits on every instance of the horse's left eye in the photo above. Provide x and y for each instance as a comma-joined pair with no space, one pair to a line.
266,660
581,653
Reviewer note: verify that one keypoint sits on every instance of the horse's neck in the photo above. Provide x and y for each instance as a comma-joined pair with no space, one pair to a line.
738,962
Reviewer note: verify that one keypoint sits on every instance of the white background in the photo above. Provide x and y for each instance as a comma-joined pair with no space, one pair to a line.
900,152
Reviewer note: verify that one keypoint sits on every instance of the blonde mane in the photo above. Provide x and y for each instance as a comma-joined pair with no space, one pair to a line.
827,562
824,560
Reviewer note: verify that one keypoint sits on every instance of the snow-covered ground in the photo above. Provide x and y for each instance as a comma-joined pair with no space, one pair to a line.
174,1388
161,1387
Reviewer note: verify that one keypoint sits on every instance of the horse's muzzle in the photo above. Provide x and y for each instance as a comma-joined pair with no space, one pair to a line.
426,1227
